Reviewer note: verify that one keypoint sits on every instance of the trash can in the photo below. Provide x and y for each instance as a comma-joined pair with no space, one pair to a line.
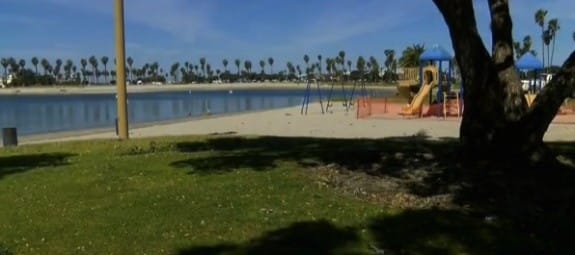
9,136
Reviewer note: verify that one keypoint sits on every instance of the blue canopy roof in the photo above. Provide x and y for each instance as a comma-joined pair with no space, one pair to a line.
528,61
435,53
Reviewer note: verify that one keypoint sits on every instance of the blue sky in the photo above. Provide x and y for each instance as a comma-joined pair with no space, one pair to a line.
185,30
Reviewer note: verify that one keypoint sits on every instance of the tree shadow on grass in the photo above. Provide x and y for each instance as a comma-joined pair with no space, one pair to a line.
498,209
313,237
383,156
22,163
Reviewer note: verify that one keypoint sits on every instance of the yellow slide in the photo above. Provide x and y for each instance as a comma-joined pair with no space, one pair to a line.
416,104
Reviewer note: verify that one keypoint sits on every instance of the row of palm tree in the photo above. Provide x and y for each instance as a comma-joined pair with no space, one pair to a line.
92,69
548,35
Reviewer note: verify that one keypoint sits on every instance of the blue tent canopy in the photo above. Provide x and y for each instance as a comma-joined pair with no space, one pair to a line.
436,53
528,61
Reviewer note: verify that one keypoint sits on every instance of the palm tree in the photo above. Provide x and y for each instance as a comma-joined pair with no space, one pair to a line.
262,65
4,62
45,64
298,71
68,68
83,63
209,70
174,70
319,57
540,20
203,64
13,64
225,63
154,67
248,66
349,65
360,65
341,56
290,68
521,48
22,64
130,62
374,68
94,63
306,60
271,63
573,36
57,68
74,73
553,27
35,64
104,60
238,62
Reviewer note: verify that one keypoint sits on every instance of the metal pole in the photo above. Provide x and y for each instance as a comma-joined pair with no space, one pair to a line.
121,98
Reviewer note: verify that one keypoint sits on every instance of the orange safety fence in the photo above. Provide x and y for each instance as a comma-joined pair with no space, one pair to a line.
367,107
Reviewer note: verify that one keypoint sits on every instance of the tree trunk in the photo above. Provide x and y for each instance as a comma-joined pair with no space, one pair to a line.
497,125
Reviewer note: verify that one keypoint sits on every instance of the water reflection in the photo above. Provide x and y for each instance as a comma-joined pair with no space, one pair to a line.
33,114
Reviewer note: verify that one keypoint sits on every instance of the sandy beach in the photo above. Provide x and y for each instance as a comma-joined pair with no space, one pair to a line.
289,122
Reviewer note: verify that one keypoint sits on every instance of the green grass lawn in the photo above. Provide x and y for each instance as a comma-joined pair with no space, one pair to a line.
135,198
232,195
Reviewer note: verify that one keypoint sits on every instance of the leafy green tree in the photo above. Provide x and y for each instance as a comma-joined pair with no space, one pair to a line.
410,55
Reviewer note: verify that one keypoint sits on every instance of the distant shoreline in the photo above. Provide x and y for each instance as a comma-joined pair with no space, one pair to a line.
110,89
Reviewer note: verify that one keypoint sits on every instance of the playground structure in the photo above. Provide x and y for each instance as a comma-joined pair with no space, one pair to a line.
357,87
533,85
417,85
307,96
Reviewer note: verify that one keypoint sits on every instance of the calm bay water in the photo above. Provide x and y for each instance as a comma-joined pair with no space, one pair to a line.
36,114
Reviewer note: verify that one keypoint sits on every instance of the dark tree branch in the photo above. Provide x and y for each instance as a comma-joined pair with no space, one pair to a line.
550,99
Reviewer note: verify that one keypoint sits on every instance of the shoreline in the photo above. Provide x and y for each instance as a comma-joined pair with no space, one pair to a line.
70,134
111,89
287,122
